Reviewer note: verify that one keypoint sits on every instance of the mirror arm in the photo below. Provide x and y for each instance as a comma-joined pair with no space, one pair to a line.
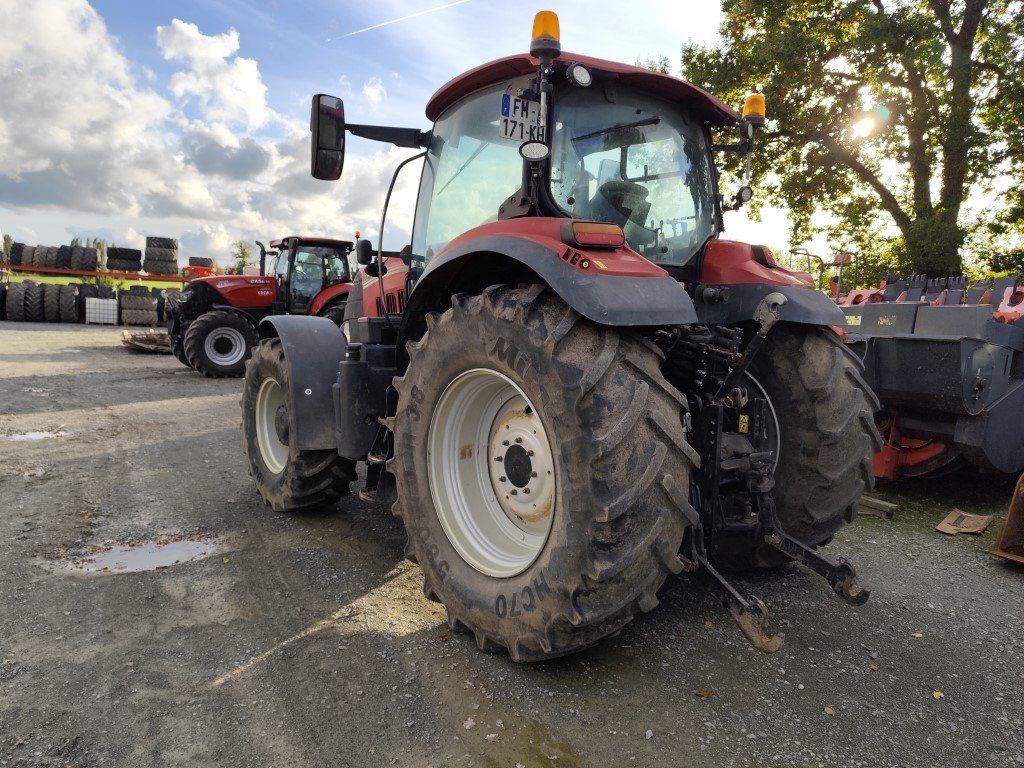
412,138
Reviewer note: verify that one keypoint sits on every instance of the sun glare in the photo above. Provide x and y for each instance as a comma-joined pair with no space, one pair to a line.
864,128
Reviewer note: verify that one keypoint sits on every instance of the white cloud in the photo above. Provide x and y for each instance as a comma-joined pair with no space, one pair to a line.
86,147
374,91
228,87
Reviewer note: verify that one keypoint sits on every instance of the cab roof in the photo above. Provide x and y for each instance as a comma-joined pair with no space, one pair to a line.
324,241
693,98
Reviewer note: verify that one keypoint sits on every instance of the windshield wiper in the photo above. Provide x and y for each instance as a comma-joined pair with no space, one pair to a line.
646,121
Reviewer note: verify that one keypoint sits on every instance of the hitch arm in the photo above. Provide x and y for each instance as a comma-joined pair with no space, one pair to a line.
841,575
750,614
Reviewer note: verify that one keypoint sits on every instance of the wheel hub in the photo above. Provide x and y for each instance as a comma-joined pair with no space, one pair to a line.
522,470
281,424
224,346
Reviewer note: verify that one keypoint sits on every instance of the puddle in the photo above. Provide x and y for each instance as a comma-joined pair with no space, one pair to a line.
25,436
146,556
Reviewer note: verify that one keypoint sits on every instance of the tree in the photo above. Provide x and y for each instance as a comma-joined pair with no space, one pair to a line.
8,242
241,253
899,107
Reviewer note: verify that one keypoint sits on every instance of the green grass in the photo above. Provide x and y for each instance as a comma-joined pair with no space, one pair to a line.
149,281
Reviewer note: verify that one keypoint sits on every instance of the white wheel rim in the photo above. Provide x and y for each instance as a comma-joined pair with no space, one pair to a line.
270,407
224,346
491,472
777,447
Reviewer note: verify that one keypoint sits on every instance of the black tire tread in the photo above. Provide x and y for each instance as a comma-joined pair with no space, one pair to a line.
34,310
638,524
51,302
310,478
817,387
15,307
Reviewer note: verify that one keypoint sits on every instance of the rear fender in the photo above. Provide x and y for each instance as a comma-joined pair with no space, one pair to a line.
736,303
328,296
313,348
610,287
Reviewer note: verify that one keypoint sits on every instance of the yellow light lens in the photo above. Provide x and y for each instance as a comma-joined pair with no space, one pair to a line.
545,25
753,105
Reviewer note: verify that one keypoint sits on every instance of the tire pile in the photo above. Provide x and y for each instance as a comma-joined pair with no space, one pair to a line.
139,306
48,257
43,302
124,260
161,256
199,261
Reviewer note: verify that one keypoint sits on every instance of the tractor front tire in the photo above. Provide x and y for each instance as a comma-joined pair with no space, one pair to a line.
825,412
218,343
288,479
542,471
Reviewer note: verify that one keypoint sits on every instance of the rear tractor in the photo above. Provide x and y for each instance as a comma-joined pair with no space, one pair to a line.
586,389
214,325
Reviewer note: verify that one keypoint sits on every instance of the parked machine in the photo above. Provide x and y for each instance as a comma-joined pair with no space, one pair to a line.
586,390
947,362
213,327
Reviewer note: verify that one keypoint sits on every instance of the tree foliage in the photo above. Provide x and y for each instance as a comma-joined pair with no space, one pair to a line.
896,117
241,252
8,243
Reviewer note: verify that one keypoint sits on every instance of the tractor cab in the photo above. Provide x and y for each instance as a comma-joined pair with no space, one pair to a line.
304,267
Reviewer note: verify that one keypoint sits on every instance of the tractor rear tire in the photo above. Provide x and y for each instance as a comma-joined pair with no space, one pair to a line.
336,313
556,571
288,479
218,343
825,413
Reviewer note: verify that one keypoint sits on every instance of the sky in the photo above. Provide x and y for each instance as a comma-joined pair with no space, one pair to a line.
121,119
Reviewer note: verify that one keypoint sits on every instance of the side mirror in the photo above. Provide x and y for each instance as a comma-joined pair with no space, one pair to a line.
364,252
371,270
406,255
327,124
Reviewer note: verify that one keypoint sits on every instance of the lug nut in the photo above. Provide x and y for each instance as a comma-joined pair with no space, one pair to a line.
501,479
514,492
498,458
533,474
529,453
526,490
519,439
504,442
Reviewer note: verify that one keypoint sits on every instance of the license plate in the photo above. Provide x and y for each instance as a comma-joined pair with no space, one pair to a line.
520,119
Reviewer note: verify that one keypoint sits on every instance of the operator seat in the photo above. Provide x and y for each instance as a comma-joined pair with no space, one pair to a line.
624,203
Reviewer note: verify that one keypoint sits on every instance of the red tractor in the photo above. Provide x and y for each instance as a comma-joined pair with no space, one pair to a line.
586,390
214,325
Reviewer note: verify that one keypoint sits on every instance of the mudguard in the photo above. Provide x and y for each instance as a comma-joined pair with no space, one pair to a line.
735,303
611,287
313,347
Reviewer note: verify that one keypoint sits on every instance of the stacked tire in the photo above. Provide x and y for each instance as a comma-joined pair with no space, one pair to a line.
47,302
124,260
84,259
161,256
138,306
16,250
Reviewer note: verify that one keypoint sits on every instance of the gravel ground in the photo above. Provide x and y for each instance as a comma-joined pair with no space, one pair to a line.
305,640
